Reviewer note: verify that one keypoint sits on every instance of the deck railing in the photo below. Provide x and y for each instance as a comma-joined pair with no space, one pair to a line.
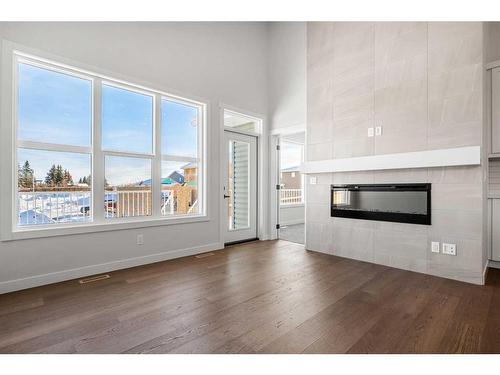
127,203
49,207
290,196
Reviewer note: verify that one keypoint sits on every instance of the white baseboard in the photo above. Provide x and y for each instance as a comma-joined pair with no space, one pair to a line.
55,277
264,237
493,264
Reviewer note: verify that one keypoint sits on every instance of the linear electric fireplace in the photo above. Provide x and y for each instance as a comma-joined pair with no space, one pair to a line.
402,203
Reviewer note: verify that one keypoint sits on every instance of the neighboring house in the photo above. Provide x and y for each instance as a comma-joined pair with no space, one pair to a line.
182,185
191,182
291,178
190,172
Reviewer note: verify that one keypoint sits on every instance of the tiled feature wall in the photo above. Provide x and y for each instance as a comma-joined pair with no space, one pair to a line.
423,83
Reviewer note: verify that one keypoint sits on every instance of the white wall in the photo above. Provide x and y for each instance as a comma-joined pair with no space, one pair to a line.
222,62
491,41
287,74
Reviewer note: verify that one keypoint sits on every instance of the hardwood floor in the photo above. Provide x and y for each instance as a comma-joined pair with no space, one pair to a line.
260,297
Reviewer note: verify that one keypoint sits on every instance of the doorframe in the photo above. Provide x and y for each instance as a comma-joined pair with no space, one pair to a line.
262,157
274,137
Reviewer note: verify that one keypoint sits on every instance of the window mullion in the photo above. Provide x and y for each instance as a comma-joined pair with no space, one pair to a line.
97,156
156,162
33,145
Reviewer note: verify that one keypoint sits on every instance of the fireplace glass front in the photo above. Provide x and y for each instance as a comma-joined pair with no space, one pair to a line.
405,203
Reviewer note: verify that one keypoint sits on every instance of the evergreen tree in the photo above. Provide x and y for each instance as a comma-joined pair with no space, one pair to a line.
25,175
59,176
19,176
28,174
68,179
50,179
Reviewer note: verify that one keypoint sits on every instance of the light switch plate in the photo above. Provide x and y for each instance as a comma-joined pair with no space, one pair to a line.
378,130
449,249
313,180
435,247
140,239
370,132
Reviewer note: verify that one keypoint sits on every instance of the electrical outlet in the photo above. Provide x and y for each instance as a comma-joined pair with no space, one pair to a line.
370,132
140,239
435,247
378,130
313,180
449,249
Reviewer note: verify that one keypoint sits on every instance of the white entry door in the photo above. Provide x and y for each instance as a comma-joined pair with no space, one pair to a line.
240,186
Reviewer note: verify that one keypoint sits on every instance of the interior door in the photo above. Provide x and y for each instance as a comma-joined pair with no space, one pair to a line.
240,186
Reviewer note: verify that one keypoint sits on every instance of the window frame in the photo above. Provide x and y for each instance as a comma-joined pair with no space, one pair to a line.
12,54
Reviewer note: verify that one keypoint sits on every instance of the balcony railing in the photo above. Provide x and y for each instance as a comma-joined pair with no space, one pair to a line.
52,207
49,207
290,196
127,203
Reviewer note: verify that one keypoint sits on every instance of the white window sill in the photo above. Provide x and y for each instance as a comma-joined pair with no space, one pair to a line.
112,225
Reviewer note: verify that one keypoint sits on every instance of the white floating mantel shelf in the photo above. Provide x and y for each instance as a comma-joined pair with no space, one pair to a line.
420,159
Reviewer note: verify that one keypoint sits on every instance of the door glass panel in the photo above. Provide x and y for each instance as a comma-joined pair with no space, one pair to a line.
239,185
291,154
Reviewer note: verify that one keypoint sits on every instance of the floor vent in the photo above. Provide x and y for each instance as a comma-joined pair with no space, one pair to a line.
91,279
204,255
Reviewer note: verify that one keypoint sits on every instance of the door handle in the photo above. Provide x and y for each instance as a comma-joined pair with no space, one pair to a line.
226,196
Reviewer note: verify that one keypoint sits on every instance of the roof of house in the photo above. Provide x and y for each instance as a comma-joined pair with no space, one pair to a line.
174,178
291,169
190,165
177,177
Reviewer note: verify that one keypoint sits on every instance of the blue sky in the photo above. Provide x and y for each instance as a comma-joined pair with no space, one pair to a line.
53,107
127,120
57,108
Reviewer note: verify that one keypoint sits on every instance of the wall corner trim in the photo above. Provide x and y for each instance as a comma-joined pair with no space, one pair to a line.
485,272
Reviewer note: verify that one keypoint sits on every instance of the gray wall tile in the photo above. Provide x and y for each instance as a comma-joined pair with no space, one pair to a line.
423,83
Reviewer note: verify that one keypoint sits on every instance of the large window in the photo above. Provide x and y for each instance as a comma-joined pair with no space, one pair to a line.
91,149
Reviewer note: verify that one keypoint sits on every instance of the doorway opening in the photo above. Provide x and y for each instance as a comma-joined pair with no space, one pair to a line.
291,207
